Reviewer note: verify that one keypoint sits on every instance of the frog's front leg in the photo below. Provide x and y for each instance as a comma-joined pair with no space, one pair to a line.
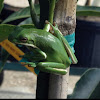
30,64
33,57
38,55
52,67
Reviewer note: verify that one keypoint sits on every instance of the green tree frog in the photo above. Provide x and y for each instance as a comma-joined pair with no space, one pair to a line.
51,52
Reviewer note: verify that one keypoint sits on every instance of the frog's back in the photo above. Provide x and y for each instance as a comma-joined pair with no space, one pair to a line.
37,31
51,45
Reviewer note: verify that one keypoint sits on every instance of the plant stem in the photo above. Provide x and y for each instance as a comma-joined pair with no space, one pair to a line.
51,10
44,12
34,16
65,17
51,14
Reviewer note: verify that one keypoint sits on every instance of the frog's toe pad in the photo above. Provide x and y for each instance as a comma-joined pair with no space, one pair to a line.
30,64
61,71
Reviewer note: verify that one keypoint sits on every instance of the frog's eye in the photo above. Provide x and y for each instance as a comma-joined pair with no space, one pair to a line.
23,39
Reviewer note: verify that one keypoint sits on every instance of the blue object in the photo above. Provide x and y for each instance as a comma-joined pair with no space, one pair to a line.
71,40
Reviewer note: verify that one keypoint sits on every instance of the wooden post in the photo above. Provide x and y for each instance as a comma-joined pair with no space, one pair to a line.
65,17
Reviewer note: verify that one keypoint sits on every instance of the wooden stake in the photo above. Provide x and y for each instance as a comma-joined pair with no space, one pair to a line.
65,17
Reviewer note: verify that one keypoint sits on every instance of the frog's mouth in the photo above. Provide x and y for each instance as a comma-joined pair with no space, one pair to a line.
27,45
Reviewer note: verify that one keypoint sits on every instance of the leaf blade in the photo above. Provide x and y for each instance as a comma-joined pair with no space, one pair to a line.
86,85
88,11
26,21
6,29
23,13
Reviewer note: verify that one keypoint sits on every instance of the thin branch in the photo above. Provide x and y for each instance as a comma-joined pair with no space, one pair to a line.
44,12
34,16
51,13
51,10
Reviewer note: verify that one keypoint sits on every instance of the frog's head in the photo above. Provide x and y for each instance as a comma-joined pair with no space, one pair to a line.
22,36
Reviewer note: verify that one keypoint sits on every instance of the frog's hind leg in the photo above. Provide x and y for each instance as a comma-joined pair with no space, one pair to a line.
52,67
59,35
57,32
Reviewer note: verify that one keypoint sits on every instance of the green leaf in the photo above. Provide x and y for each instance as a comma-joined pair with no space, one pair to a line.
23,13
6,29
27,26
88,11
26,21
1,5
96,92
4,57
88,86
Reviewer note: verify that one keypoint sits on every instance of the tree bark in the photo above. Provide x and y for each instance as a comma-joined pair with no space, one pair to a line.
65,17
